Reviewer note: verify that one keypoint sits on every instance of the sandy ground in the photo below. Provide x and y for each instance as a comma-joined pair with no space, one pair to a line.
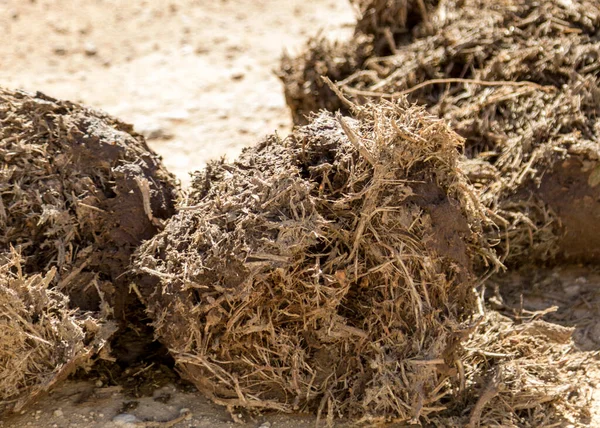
82,404
196,77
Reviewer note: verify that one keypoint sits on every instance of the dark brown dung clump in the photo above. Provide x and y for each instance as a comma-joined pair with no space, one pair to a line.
79,192
329,272
517,79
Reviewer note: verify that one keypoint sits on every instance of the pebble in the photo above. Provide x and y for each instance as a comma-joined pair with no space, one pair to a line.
58,413
201,50
237,75
572,290
60,50
265,425
126,420
153,131
90,49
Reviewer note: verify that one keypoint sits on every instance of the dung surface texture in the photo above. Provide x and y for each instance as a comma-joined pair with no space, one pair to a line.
330,272
517,79
79,192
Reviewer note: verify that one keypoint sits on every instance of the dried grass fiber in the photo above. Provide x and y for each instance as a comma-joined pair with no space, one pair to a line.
42,340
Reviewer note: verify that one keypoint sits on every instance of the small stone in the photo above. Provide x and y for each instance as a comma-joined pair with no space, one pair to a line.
126,420
58,413
99,383
60,50
572,290
90,49
153,131
265,425
237,75
201,50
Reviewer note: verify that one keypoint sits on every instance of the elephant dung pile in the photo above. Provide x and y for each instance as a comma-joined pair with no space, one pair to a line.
331,271
79,191
517,79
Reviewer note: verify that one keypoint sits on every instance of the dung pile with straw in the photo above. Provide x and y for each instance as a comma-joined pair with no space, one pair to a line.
79,191
517,79
329,272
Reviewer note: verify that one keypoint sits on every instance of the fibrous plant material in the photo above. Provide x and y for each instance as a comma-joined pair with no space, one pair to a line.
521,374
42,340
79,191
517,79
330,272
